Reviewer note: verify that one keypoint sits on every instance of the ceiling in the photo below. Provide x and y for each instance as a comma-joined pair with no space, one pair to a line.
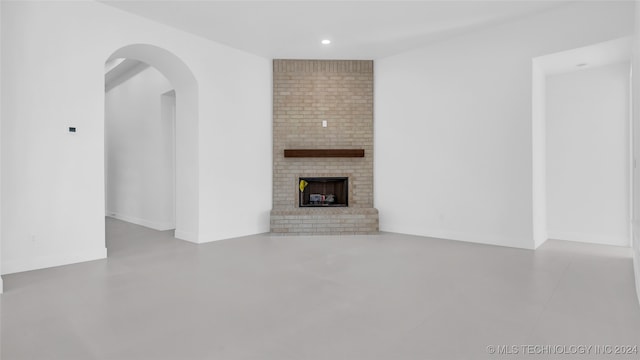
118,71
357,29
601,54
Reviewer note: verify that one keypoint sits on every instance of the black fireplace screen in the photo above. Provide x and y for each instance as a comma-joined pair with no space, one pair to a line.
324,192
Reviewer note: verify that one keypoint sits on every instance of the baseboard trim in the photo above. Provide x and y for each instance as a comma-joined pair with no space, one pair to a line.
208,239
537,244
465,237
590,238
160,226
47,261
186,236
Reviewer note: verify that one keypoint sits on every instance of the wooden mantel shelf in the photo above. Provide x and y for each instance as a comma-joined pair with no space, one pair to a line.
323,153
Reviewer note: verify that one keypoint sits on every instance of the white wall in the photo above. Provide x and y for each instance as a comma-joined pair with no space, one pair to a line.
140,152
538,154
588,155
53,181
236,176
1,286
635,101
455,119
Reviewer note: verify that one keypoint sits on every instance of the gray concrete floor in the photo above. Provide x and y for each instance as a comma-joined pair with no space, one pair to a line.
387,296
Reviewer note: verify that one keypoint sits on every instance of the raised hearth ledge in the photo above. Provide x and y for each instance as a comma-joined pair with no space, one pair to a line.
325,221
323,153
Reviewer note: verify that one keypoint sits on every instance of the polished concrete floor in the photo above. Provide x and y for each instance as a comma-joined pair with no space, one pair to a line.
264,297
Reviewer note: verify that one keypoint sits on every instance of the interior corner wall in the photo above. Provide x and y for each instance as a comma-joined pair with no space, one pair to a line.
538,155
140,169
587,137
635,125
53,181
453,125
236,147
1,42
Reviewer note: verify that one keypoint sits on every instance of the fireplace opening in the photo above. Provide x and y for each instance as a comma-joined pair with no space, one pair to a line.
324,192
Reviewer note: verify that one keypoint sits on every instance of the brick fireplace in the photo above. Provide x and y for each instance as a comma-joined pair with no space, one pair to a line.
323,147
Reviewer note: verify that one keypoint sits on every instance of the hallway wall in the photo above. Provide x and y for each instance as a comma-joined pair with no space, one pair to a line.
140,151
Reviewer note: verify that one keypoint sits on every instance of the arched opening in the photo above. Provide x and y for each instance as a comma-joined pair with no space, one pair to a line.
178,116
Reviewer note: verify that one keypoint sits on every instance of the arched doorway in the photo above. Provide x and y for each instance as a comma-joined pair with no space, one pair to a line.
186,130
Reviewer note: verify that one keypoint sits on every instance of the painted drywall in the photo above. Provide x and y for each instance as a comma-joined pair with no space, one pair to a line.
53,181
635,125
1,284
538,154
595,55
453,125
140,152
587,153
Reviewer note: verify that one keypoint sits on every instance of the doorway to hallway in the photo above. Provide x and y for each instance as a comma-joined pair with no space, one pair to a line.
151,140
140,107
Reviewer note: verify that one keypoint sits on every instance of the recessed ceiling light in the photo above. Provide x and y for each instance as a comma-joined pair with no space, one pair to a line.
326,42
582,65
